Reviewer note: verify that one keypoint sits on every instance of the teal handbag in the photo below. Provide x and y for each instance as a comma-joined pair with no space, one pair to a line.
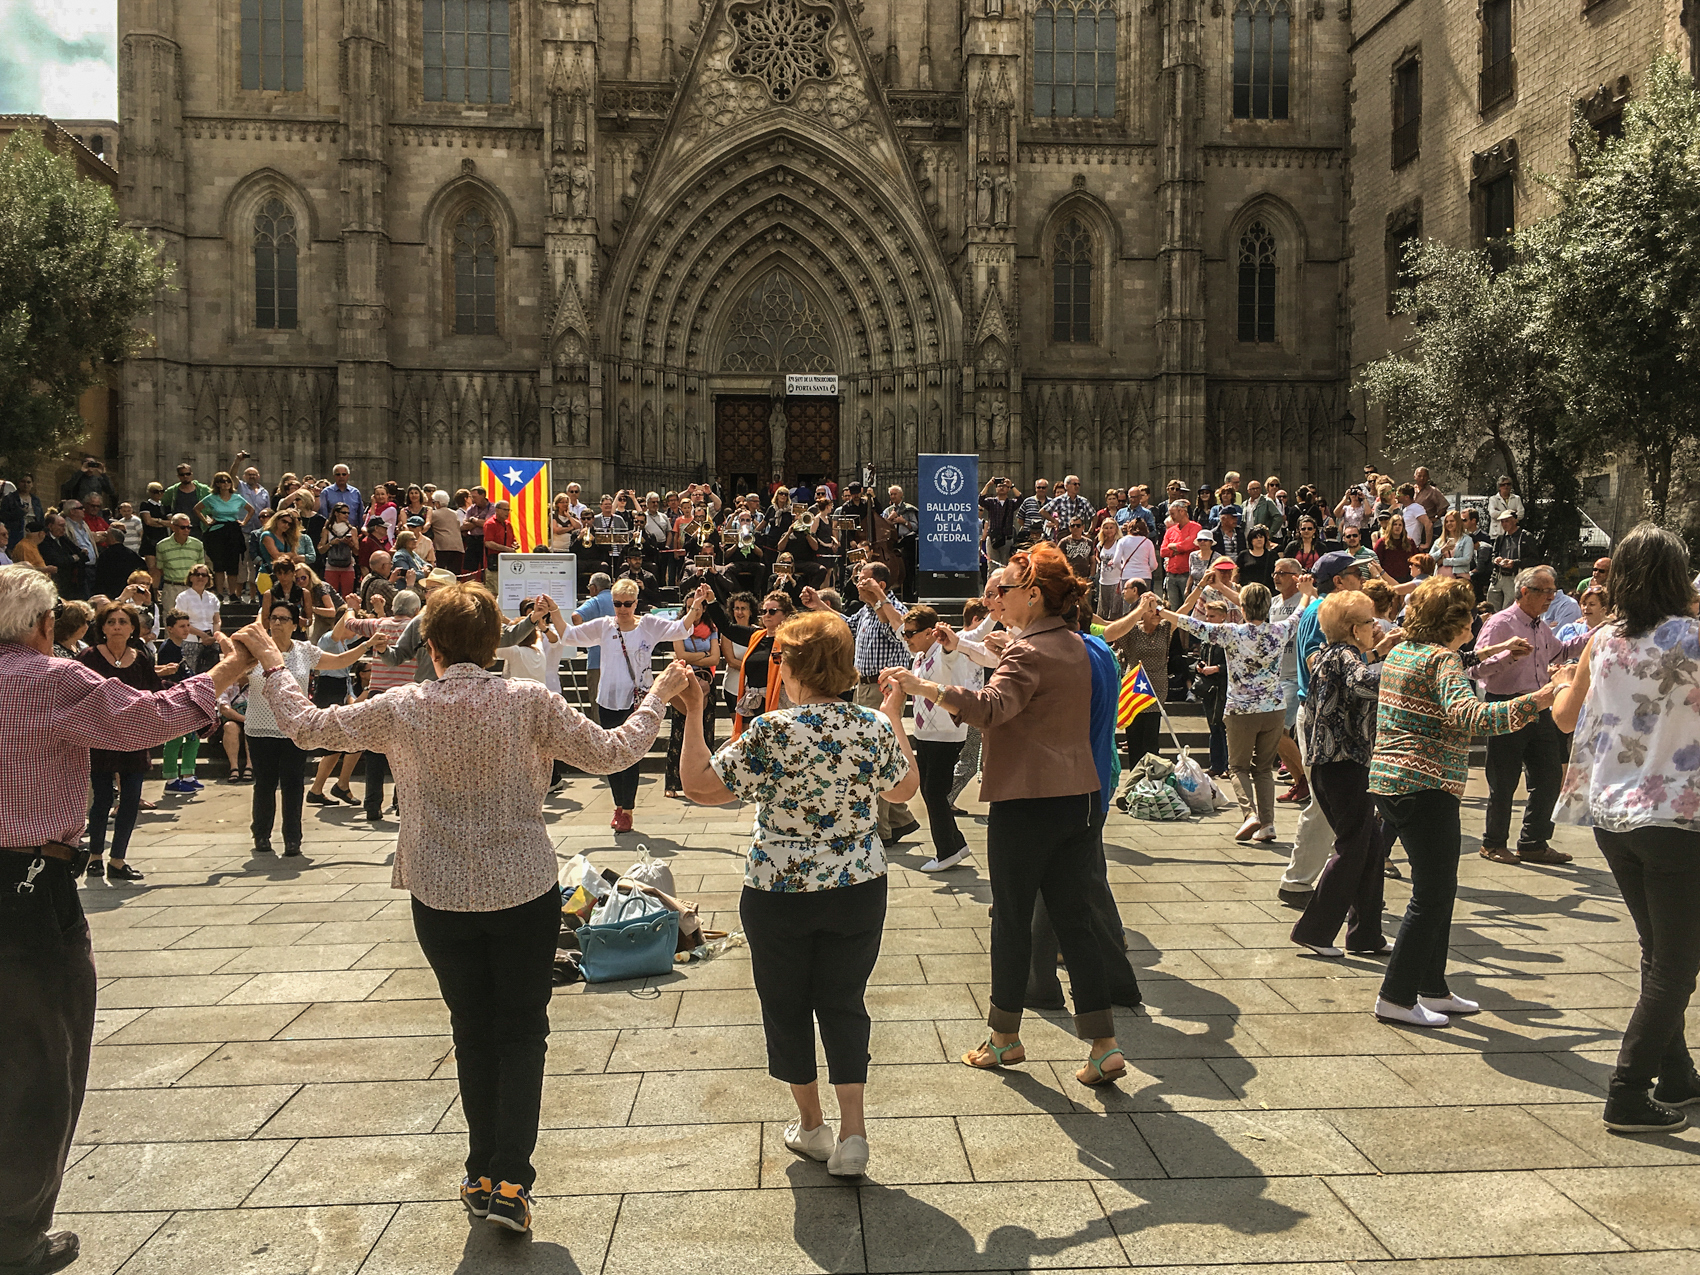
630,935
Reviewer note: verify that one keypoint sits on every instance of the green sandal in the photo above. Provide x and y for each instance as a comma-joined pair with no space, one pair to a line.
1105,1077
998,1051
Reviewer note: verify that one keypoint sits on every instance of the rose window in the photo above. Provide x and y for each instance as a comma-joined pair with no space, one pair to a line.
782,43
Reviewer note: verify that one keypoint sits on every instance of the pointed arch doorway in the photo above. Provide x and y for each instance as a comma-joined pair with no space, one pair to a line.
778,326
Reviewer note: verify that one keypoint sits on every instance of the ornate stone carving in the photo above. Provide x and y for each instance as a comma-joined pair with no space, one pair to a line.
776,430
775,329
782,43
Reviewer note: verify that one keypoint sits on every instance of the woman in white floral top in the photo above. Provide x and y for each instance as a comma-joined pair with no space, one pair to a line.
1634,777
1256,710
814,888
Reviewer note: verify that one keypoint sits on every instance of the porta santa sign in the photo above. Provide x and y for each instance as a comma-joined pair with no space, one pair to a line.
950,512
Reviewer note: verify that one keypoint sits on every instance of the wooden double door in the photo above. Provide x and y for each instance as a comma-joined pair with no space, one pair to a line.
749,430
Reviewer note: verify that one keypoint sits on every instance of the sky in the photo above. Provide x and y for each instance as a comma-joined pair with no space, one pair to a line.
60,58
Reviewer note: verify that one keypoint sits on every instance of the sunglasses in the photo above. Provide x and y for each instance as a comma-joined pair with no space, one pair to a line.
908,633
772,611
1601,571
625,606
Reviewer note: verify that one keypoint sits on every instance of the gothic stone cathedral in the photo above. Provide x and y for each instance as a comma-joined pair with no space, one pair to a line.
1100,236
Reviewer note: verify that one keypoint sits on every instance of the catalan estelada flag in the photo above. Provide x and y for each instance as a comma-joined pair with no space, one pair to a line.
1137,695
524,484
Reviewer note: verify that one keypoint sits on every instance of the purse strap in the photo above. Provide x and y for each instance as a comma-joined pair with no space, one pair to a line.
630,668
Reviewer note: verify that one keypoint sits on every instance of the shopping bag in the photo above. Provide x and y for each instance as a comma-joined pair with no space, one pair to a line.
1158,802
651,871
630,935
1200,792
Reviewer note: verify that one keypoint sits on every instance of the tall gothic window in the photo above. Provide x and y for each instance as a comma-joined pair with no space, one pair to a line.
466,50
271,45
1071,284
1074,59
274,266
775,329
475,274
1262,45
1257,284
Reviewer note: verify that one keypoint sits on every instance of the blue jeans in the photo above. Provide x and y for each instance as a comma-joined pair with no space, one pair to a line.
129,788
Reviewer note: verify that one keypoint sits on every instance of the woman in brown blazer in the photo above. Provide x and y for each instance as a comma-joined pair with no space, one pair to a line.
1034,715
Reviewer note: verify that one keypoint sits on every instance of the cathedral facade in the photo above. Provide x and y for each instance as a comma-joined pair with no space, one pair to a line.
1093,236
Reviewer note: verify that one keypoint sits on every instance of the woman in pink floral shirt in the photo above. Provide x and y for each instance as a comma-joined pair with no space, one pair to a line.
477,857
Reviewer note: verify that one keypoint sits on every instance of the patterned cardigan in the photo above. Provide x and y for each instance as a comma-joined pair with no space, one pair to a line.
1427,717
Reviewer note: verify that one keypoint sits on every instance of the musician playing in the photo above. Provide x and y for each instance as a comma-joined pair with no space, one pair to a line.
607,523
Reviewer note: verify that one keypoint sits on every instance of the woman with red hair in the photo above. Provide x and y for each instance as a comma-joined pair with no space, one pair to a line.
1038,774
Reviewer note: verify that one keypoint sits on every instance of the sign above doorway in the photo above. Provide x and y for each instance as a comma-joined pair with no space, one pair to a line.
810,383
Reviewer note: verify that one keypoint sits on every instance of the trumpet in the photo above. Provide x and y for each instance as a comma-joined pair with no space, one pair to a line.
804,523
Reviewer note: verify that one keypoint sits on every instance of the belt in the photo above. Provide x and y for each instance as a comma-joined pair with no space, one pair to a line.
867,679
48,850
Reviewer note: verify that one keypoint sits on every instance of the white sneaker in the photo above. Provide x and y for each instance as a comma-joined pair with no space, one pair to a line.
816,1143
1453,1004
1417,1016
1319,949
1266,833
849,1158
949,861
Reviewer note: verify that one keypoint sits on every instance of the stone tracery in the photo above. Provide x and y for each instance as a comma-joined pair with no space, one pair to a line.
782,43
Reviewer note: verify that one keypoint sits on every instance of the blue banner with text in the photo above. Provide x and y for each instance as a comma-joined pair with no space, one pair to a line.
949,498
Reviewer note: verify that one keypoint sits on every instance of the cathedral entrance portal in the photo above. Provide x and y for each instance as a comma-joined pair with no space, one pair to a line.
760,440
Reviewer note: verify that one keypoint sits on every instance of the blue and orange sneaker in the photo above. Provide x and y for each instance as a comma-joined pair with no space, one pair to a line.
475,1194
510,1206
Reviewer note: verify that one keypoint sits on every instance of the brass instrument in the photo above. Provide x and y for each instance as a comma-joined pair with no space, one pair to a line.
804,523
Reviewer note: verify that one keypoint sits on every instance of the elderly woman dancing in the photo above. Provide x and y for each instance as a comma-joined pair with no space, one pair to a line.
813,906
1042,783
477,857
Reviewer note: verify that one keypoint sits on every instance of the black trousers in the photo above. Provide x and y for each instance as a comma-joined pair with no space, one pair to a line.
1658,871
1044,990
376,767
811,953
496,971
1045,847
936,761
1536,755
624,783
676,733
1428,824
47,1005
279,768
1352,886
1144,735
129,787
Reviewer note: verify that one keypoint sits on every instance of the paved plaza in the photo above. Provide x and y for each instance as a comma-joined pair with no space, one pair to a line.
273,1084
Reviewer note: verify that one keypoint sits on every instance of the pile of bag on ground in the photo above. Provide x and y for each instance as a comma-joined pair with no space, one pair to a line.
1163,791
625,925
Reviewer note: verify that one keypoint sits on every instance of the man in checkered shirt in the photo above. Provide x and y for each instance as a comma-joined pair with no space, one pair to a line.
879,645
60,709
1061,510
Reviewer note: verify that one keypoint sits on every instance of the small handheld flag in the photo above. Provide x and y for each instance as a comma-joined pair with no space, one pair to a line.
524,484
1137,695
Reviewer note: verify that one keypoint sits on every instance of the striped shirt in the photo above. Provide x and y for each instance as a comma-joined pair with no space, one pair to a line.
1428,716
379,675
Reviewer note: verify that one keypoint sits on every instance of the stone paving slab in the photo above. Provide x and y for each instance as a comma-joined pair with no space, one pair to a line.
272,1089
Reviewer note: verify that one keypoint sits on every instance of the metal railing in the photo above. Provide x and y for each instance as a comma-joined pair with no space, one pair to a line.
1498,81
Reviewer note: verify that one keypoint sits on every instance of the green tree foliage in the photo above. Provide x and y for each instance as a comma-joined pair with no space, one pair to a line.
73,283
1485,368
1616,269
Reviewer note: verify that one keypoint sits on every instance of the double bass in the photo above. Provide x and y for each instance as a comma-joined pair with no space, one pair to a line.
879,533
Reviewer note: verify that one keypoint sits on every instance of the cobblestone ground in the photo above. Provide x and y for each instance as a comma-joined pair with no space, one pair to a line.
273,1085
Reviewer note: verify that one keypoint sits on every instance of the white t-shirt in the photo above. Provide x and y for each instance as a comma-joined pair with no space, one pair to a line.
947,668
537,663
201,608
616,689
1414,514
132,532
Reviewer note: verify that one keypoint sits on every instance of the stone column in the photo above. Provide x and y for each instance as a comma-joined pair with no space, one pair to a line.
364,410
991,381
1181,439
151,199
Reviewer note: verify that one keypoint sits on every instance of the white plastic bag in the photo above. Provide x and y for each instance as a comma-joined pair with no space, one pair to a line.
651,871
577,872
1200,792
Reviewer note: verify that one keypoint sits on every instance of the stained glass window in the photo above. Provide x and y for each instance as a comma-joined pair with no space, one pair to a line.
274,266
1074,59
1071,284
1262,48
271,45
1257,283
475,274
466,50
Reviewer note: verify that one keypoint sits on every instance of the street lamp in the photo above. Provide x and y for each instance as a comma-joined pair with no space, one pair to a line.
1349,427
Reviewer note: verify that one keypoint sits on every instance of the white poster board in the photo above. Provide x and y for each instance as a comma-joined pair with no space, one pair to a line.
525,575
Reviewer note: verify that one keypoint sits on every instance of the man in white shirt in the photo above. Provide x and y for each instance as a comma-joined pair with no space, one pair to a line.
1502,500
126,520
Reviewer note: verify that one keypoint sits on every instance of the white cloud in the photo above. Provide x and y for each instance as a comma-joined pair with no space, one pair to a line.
59,57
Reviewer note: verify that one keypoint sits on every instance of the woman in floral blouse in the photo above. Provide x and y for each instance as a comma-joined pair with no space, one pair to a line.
1634,777
1256,710
813,906
1426,720
1337,723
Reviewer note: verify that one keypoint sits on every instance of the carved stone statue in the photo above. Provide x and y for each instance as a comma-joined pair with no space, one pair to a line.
560,190
776,427
865,437
994,8
983,426
1000,424
627,445
580,436
935,429
983,189
651,450
1004,195
560,419
581,189
693,439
